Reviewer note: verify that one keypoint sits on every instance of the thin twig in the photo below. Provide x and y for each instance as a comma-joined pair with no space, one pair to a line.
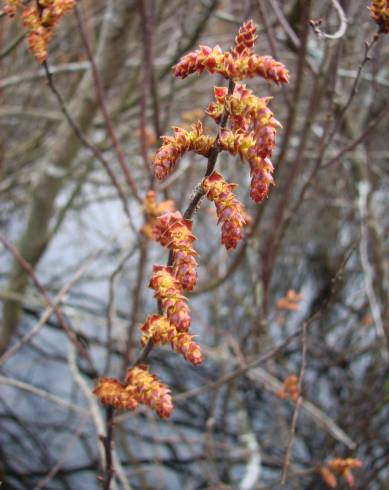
104,110
45,395
111,305
107,443
372,124
296,407
90,146
26,266
342,23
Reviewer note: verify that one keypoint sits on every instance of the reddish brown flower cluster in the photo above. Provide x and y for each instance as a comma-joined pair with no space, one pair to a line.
169,291
40,18
152,209
248,114
149,390
161,331
140,387
339,467
236,64
245,39
290,301
290,389
171,230
261,168
11,7
252,136
115,394
379,11
174,147
229,210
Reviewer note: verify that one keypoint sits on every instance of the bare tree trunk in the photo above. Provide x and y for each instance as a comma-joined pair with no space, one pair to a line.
111,54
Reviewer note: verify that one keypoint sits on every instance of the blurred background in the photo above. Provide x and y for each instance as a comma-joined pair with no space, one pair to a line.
305,294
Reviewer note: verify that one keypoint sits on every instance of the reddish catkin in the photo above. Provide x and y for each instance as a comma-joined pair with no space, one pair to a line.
11,7
161,331
261,168
245,39
140,387
152,209
169,291
229,210
261,171
41,18
149,390
214,60
251,135
173,147
113,393
290,388
379,11
171,230
248,113
339,467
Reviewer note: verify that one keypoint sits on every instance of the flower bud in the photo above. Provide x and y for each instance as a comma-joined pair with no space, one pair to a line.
379,11
149,391
229,210
168,290
161,331
174,147
113,393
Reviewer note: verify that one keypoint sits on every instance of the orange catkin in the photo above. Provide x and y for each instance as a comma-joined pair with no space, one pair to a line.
169,291
229,210
161,331
248,130
379,11
149,390
171,230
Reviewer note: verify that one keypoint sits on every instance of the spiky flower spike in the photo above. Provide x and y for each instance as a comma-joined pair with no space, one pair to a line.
161,331
236,64
174,147
245,39
261,168
11,7
251,135
229,210
379,11
149,391
152,209
290,388
171,230
40,18
248,113
341,467
113,393
169,291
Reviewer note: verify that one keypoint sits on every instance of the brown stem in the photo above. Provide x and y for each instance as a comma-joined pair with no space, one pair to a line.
58,313
212,159
108,442
136,296
77,131
296,410
104,110
149,74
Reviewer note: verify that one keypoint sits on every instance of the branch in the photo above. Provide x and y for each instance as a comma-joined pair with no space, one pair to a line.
104,109
58,313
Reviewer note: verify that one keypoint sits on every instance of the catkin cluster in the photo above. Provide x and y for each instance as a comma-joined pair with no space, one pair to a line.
251,133
40,18
379,11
